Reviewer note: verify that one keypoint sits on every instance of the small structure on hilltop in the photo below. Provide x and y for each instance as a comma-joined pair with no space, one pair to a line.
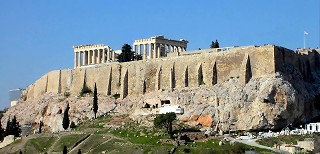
14,96
158,46
92,54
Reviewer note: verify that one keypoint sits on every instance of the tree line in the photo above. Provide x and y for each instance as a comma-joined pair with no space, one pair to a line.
12,128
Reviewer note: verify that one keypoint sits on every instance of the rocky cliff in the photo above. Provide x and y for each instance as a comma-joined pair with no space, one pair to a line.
252,88
269,102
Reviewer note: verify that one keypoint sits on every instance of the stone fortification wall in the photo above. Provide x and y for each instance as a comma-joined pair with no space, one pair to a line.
139,77
306,60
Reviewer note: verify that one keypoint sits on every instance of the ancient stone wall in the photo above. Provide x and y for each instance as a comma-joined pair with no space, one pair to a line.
306,61
139,77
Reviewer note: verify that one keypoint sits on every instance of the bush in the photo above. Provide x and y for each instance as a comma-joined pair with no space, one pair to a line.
72,125
186,150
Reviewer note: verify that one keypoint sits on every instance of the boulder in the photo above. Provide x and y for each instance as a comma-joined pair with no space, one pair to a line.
205,120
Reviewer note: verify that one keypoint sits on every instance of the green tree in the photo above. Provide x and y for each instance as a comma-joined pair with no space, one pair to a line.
40,126
95,101
66,120
212,45
72,125
15,127
1,132
165,121
216,44
65,150
9,129
126,54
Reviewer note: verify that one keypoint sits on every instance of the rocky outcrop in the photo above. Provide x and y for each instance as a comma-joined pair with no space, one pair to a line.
269,102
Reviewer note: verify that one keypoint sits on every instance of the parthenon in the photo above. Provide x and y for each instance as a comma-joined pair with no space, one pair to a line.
158,46
154,47
92,54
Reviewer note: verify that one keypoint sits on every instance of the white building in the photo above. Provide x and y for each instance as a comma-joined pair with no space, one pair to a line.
14,96
166,108
313,127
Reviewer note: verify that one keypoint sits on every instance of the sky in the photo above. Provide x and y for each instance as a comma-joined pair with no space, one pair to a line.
37,36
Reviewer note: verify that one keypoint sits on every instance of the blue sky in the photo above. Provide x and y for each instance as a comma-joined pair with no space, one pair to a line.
37,37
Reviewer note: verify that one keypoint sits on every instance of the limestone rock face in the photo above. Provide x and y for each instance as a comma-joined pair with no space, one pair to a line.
270,102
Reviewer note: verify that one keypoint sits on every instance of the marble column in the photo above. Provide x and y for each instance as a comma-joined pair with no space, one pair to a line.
85,58
99,56
145,52
150,51
108,54
89,57
134,49
139,49
75,59
155,51
78,59
113,56
94,57
159,51
104,55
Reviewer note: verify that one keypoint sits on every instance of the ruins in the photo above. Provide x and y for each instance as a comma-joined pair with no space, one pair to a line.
154,47
92,54
158,46
159,71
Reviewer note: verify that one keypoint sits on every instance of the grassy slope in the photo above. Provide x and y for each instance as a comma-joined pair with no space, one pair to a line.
126,139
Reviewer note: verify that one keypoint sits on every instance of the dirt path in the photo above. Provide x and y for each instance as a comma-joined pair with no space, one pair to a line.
79,144
11,148
99,145
54,144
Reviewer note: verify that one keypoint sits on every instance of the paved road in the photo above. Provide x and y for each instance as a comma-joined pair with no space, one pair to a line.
252,142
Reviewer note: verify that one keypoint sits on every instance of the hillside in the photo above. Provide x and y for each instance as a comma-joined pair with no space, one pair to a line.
97,137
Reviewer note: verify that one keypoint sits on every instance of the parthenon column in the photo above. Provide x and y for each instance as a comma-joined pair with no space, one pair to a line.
78,59
108,54
89,57
94,57
104,55
139,49
145,52
159,51
134,49
99,56
155,51
84,58
150,51
113,56
75,59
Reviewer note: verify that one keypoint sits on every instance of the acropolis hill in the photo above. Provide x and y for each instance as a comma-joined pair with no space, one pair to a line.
178,70
246,87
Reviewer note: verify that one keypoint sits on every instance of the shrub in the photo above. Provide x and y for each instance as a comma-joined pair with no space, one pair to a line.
72,125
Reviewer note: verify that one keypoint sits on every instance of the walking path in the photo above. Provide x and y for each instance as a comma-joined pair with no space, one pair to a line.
252,142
